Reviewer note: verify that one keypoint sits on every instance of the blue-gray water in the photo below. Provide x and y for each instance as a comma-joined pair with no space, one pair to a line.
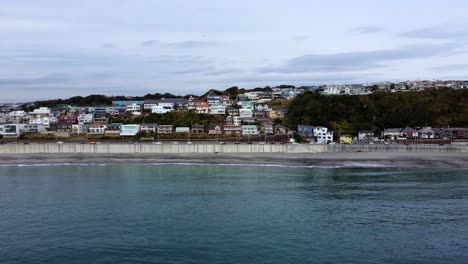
232,214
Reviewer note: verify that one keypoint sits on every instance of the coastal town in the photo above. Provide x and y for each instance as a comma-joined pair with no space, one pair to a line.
258,115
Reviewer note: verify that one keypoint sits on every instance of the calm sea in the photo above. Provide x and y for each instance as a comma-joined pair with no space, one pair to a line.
232,214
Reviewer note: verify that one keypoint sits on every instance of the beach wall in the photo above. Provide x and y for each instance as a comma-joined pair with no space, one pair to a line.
399,148
165,148
212,148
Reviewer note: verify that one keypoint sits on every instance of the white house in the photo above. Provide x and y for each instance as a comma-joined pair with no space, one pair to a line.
17,114
159,109
245,112
45,111
134,109
45,121
12,130
217,109
97,129
323,135
129,130
85,119
249,130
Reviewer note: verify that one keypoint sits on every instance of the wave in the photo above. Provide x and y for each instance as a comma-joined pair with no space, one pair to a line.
339,166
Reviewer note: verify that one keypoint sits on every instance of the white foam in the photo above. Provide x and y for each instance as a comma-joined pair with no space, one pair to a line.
347,165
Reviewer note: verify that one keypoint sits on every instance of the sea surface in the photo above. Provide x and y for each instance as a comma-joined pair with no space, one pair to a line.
231,214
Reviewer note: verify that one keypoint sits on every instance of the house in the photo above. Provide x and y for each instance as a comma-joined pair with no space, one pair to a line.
198,129
96,129
282,113
33,128
232,130
409,132
160,109
268,129
165,129
260,114
85,119
113,129
215,130
281,130
214,99
217,109
392,133
12,130
246,105
200,106
124,103
323,135
365,135
249,130
426,133
134,109
241,98
193,104
245,112
247,120
305,131
182,130
232,111
129,130
149,128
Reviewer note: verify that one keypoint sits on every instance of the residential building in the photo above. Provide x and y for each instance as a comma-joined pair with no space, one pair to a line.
12,130
198,129
249,130
245,112
129,130
182,130
96,129
232,130
409,132
217,109
42,111
149,128
165,129
215,130
113,129
392,133
305,131
232,110
323,135
281,130
85,119
160,109
267,128
426,133
365,135
134,109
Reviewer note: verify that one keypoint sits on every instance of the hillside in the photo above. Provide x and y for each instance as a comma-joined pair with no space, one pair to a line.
347,113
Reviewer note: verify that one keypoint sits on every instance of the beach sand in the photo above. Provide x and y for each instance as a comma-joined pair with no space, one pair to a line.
405,160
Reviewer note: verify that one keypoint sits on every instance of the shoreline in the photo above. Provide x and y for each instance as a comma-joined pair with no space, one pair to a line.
361,159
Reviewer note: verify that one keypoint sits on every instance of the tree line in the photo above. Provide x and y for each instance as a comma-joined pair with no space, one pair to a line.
377,111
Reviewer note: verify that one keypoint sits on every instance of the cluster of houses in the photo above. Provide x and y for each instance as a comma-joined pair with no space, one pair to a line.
247,114
359,89
411,133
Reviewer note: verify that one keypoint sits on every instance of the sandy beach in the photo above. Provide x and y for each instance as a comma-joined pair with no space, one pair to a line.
406,160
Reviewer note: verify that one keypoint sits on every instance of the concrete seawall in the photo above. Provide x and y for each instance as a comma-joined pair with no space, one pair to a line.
212,148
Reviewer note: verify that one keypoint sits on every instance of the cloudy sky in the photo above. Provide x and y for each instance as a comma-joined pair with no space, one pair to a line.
57,48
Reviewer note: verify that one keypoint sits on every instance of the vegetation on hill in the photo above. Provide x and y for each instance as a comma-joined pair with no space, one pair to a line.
180,118
377,111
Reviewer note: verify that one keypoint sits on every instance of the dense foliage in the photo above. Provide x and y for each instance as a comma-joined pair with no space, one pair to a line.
377,111
181,118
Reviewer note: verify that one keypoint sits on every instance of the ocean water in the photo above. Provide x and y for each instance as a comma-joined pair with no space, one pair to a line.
231,214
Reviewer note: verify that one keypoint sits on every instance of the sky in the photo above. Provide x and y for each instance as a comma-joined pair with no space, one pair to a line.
56,49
